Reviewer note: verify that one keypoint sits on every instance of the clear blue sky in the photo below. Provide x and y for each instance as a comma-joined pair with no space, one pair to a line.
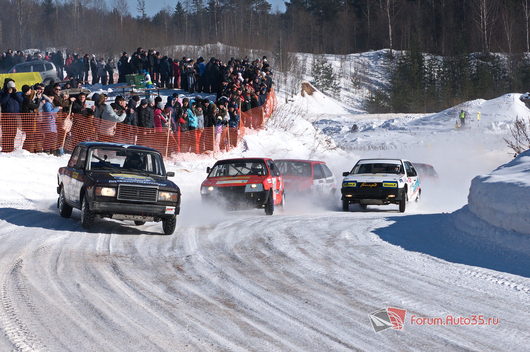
153,6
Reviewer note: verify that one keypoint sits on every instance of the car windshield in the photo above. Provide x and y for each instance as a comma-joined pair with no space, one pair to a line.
138,161
239,168
377,168
294,168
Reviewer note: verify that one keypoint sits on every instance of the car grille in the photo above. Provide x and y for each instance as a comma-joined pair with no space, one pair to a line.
138,193
231,190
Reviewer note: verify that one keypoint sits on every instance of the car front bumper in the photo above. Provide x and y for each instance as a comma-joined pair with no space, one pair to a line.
375,195
141,209
237,197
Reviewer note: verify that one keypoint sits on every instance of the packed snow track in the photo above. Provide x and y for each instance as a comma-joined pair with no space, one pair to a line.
300,282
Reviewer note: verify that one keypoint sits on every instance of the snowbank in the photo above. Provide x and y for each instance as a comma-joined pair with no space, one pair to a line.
501,198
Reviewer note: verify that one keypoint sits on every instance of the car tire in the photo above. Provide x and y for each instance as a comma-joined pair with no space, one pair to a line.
363,206
345,205
64,209
403,203
269,206
169,225
87,216
139,223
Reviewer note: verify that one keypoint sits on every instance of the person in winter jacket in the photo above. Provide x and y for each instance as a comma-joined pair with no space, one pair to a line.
132,113
124,67
102,72
10,102
94,69
80,105
109,67
86,68
145,115
160,120
109,116
49,127
30,105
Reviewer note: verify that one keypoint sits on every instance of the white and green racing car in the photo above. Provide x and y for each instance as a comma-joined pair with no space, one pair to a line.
380,182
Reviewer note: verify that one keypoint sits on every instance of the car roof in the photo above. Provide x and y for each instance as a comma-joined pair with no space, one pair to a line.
224,161
116,145
34,62
303,161
388,161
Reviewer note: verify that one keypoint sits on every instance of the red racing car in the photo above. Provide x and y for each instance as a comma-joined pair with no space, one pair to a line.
307,177
245,182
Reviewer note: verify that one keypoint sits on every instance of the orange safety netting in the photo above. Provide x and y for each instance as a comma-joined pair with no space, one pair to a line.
47,132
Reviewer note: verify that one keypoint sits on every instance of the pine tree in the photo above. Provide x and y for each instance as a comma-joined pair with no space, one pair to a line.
323,77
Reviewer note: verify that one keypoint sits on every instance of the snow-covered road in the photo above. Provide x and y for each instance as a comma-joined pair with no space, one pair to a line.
250,282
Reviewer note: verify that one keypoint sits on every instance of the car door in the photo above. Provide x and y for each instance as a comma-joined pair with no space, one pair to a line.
277,181
319,179
412,180
67,179
329,184
79,176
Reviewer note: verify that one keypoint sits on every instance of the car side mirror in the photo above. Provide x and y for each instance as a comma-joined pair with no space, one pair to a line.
208,169
170,174
345,173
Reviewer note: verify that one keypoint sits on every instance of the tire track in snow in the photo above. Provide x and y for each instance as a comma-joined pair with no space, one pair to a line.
16,330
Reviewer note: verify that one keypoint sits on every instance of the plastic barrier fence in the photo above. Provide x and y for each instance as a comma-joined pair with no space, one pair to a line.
49,132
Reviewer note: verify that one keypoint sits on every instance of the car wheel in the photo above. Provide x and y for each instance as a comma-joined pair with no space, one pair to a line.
169,225
403,203
269,207
64,209
87,216
363,206
139,223
345,205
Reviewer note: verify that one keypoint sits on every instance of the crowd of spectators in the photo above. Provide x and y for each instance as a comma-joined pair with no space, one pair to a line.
238,86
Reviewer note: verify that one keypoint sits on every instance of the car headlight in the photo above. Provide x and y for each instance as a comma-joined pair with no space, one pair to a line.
106,191
254,187
168,196
390,184
349,184
207,190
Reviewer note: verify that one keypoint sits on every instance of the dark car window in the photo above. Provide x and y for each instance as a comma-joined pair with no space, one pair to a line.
318,172
38,68
410,170
294,168
23,68
81,160
73,159
273,168
377,168
49,67
105,159
239,168
327,171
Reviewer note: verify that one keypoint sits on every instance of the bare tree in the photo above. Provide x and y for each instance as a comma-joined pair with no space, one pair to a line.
520,132
507,25
526,10
140,6
486,11
122,9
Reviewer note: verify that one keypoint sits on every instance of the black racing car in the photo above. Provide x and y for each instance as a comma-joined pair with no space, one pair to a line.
124,182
